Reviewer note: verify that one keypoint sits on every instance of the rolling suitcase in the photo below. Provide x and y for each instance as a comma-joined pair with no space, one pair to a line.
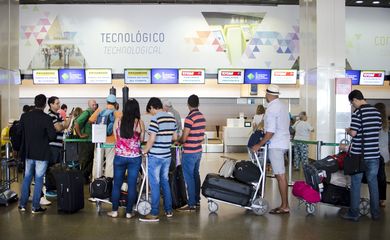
335,195
329,164
226,189
70,190
178,188
313,177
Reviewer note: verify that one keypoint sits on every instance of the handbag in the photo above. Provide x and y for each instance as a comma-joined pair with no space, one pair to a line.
354,163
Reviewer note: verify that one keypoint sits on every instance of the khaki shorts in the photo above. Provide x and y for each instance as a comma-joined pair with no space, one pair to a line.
276,157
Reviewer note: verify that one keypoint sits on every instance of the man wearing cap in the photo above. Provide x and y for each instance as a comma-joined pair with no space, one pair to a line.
168,107
276,128
109,153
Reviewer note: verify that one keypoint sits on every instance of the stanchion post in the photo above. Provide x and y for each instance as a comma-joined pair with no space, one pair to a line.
99,160
290,159
319,144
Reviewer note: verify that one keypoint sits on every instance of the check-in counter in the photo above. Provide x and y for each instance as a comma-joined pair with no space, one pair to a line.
236,137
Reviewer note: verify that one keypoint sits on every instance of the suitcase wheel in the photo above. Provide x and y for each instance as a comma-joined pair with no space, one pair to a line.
310,208
213,206
260,206
144,207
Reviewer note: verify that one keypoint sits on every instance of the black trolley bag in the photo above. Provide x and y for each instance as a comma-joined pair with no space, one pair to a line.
226,189
178,188
70,190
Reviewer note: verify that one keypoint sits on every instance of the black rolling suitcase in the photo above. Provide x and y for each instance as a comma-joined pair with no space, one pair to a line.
336,195
328,164
312,177
226,189
246,171
70,190
178,188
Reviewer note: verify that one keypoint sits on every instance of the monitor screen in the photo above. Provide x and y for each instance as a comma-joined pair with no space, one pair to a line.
191,76
257,76
284,76
354,75
164,76
372,78
231,76
45,76
98,76
137,76
71,76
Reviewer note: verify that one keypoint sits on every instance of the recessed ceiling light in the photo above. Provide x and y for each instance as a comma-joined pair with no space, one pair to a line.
359,2
376,2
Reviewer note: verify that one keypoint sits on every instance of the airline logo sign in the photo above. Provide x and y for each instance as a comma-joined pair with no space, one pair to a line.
137,76
191,76
284,77
231,76
45,76
372,78
164,76
98,76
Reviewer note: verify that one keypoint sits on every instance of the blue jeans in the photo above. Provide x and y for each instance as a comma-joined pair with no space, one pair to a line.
356,180
36,169
158,177
132,165
190,163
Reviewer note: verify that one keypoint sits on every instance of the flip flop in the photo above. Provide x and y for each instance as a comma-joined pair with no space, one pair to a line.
279,211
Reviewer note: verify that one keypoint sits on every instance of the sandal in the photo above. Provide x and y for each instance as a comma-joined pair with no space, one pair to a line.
279,211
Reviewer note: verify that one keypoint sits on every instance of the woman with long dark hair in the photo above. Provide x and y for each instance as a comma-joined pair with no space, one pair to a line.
129,133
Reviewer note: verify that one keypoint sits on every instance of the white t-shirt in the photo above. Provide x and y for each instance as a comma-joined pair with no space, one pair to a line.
257,119
277,121
302,130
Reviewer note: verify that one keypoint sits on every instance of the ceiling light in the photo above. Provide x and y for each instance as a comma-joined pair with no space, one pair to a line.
376,2
359,2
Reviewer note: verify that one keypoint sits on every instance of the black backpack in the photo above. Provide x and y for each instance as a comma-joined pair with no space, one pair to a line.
15,138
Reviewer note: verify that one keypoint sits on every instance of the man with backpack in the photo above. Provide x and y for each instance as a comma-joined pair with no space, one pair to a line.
83,129
106,116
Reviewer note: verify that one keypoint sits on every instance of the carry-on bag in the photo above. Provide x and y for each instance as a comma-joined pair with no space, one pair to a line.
70,190
178,188
335,195
329,164
313,177
306,192
101,188
246,171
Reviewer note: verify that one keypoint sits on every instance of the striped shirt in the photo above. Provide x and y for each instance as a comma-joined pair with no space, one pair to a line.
163,125
196,122
366,120
56,118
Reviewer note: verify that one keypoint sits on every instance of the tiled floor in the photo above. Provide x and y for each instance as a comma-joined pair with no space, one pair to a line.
230,222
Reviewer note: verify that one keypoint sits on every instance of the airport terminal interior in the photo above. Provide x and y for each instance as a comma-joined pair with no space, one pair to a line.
232,55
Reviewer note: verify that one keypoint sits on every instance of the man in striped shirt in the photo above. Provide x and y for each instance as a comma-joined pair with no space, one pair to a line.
193,135
365,127
162,131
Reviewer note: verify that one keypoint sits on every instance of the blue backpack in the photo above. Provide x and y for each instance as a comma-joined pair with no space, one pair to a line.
255,138
106,117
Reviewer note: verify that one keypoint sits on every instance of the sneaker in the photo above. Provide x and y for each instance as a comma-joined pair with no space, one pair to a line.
44,202
39,210
149,218
113,214
22,209
30,198
187,208
169,214
130,215
346,216
52,194
91,199
197,205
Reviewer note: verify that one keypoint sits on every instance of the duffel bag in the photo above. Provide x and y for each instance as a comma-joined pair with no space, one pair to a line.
246,171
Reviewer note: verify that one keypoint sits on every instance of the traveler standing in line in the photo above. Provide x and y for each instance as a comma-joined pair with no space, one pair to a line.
129,132
276,128
302,132
57,145
193,135
366,122
384,152
257,122
168,107
162,131
38,130
83,129
62,111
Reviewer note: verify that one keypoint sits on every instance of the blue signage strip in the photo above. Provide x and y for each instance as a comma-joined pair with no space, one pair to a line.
165,76
257,76
71,76
354,75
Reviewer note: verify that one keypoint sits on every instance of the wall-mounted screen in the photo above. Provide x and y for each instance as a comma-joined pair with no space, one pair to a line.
137,76
191,76
10,76
284,76
373,78
71,76
164,76
354,75
45,76
231,76
257,76
98,76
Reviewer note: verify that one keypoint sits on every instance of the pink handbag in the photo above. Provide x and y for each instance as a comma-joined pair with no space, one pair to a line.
306,192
